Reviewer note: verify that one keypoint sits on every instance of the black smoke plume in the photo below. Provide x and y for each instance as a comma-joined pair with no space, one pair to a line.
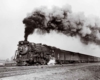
63,20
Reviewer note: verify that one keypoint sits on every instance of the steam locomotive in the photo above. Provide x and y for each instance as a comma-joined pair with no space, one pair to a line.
31,54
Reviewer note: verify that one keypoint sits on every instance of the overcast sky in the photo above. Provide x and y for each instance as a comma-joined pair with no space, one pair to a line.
12,12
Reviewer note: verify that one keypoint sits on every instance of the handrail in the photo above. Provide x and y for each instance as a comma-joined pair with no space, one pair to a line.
16,52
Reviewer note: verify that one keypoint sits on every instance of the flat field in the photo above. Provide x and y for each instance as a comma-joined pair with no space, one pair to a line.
81,71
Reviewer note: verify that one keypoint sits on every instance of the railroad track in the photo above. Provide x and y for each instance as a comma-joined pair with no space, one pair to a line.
20,70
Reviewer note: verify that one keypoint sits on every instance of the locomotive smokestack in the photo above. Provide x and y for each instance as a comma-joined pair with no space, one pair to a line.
29,27
25,37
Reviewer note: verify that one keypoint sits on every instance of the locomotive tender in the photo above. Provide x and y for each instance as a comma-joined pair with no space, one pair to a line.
31,54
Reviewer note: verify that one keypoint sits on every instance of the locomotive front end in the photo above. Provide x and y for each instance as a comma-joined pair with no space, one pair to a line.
21,55
23,47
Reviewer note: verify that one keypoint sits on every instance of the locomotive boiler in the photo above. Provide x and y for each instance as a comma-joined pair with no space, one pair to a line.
31,53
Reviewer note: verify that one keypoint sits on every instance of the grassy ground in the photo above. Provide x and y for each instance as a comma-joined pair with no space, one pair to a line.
65,72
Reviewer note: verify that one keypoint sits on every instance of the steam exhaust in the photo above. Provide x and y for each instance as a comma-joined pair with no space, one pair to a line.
63,20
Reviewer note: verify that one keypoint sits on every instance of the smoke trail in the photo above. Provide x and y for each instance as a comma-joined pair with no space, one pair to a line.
65,21
35,20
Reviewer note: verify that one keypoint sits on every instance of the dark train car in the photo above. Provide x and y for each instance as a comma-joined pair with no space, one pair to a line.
67,57
97,59
83,58
31,53
57,53
75,57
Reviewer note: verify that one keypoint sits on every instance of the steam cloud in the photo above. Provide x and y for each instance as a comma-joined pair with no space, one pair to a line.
63,20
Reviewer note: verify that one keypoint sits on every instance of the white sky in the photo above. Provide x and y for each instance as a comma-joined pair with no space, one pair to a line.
12,12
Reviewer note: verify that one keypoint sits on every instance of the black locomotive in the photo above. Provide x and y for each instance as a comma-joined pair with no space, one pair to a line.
30,54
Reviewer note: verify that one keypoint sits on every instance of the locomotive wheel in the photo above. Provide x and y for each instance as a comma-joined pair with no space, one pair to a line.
18,64
26,64
43,62
22,63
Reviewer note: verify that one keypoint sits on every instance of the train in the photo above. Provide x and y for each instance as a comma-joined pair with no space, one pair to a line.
29,53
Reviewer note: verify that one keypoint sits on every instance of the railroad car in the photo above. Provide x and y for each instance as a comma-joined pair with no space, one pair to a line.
31,54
